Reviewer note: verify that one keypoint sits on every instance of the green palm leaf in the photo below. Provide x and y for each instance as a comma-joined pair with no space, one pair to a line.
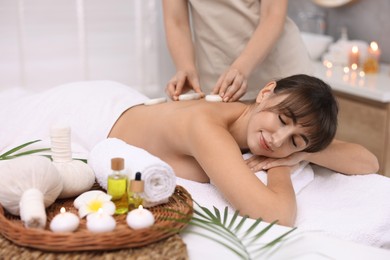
243,242
11,153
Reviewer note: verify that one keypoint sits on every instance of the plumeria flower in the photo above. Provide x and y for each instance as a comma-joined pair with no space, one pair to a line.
92,201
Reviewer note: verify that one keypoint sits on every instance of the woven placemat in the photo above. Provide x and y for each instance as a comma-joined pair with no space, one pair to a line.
167,249
170,218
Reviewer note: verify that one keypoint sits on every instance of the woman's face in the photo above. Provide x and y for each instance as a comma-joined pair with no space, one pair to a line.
273,134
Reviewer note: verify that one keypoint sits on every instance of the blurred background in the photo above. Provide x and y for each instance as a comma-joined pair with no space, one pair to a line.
44,43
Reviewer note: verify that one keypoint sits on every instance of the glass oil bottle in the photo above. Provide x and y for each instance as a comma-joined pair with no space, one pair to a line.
136,187
117,186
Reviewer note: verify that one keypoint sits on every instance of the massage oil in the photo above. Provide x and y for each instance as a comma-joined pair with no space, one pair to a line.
117,186
136,187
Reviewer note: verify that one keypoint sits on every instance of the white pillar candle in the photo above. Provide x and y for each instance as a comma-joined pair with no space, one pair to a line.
100,222
140,218
64,222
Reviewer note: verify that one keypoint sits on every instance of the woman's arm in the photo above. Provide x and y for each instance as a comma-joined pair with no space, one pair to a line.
344,157
220,157
339,156
179,40
273,15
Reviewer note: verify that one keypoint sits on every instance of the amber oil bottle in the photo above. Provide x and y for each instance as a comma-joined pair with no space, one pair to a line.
136,187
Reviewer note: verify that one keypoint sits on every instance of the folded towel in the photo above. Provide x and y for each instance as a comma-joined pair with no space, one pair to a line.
208,195
159,178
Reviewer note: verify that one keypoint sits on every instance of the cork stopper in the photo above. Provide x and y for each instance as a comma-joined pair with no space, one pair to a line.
117,164
137,185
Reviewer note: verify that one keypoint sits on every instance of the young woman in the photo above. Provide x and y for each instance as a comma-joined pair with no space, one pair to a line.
293,119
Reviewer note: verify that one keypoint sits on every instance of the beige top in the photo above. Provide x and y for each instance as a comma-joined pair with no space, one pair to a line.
222,29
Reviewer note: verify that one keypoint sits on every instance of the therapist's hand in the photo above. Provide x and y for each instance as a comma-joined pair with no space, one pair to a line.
231,85
182,82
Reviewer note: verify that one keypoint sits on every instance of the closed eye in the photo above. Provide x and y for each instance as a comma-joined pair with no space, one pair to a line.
293,142
285,123
281,120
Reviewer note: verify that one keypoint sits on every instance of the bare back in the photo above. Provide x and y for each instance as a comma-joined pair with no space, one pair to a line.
165,130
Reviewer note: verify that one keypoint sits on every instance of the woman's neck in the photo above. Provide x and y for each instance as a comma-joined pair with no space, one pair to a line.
239,128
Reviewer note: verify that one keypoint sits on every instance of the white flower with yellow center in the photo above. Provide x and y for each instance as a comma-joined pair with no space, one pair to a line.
92,201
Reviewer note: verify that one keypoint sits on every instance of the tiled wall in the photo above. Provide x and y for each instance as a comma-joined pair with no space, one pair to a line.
367,20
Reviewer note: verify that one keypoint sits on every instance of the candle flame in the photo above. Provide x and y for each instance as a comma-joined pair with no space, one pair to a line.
374,46
354,66
346,70
62,210
140,207
355,49
362,74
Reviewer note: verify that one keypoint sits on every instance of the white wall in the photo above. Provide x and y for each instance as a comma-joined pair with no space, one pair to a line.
44,43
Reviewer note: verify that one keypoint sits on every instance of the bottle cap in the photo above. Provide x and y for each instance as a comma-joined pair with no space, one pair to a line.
137,185
117,164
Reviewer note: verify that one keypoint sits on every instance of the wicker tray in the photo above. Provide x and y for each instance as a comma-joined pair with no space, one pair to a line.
12,228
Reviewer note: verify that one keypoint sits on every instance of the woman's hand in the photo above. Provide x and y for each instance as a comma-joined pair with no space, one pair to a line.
257,163
182,82
231,85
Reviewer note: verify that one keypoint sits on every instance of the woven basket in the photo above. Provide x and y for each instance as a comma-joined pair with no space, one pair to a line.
170,218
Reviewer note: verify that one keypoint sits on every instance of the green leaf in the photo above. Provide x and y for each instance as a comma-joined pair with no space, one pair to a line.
265,230
238,227
17,148
31,152
10,153
225,215
254,225
232,221
217,213
232,235
278,239
234,250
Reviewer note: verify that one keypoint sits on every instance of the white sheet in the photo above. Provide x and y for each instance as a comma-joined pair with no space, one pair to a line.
90,108
354,208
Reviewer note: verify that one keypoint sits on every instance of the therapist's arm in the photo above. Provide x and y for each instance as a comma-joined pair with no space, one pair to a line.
179,40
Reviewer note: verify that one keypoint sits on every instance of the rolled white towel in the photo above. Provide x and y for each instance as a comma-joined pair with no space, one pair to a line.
159,178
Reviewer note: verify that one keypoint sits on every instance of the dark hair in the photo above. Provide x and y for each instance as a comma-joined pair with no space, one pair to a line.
309,102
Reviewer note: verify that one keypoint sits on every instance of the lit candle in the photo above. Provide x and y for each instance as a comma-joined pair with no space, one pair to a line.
140,218
329,67
346,74
100,222
371,65
354,56
361,78
64,222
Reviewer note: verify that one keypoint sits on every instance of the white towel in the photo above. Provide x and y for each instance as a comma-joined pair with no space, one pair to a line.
159,178
208,195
